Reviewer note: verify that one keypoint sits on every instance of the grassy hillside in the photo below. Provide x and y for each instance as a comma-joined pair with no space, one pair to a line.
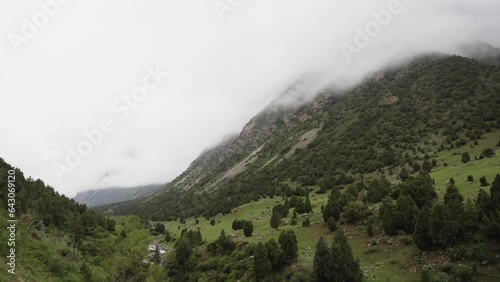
397,260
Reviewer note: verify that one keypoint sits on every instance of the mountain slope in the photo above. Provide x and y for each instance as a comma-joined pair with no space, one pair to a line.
377,126
99,197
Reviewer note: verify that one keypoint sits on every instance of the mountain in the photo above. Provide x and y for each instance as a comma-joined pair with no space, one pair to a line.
99,197
376,127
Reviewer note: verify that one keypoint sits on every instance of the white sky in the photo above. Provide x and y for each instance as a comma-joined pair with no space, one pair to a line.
65,78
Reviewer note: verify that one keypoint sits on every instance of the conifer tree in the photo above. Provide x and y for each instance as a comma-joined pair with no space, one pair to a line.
289,247
307,205
421,235
495,193
275,220
247,228
261,264
321,261
342,263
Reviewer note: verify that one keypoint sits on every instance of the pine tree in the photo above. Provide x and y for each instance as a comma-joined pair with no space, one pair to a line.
421,235
321,262
156,257
261,264
342,263
248,228
274,254
369,229
307,205
386,214
332,224
289,247
275,220
495,193
405,214
183,250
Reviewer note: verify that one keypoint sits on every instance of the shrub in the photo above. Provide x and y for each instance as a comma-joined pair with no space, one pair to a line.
306,222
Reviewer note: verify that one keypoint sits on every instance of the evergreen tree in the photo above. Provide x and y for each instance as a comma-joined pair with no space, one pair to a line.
289,247
404,215
321,262
225,244
332,224
465,157
156,256
237,224
403,174
183,250
369,229
342,263
452,194
274,254
306,222
495,192
332,209
483,181
275,220
261,264
427,166
421,236
386,214
420,189
248,228
307,205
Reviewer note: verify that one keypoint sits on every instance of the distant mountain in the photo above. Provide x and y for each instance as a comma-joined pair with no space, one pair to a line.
100,197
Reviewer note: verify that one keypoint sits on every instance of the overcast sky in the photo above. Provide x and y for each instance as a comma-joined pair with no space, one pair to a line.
226,61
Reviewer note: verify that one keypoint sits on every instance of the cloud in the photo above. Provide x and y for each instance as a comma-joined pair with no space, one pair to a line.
65,78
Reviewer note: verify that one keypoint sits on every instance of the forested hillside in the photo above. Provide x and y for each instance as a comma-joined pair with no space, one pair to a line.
379,126
57,239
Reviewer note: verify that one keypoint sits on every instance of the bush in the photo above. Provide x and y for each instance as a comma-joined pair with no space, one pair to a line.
371,251
488,153
306,222
483,181
470,178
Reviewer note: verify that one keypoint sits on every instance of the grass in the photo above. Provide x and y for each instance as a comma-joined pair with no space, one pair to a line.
488,167
378,265
391,262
